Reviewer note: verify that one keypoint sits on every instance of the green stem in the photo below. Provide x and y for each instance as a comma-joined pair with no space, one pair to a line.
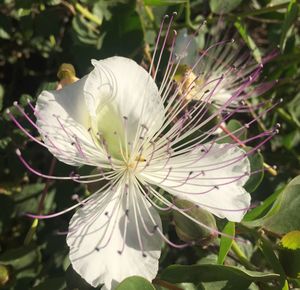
87,14
188,15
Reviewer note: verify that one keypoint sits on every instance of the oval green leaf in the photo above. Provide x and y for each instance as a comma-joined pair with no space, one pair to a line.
211,273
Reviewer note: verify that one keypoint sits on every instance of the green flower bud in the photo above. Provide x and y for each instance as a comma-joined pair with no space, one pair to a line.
66,74
289,254
187,230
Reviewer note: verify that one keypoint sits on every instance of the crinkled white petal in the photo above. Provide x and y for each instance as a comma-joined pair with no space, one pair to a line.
64,123
124,83
97,233
213,180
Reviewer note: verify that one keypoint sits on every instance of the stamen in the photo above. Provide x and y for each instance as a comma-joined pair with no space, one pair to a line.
23,129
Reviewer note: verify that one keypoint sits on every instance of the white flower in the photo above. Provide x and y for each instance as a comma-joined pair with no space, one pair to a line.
117,120
222,57
145,143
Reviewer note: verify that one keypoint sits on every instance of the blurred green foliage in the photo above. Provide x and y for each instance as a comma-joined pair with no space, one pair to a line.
37,36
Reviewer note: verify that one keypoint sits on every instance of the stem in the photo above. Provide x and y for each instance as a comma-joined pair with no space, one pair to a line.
87,14
188,21
150,14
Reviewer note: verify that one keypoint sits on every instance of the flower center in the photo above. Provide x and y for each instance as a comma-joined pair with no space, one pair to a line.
132,166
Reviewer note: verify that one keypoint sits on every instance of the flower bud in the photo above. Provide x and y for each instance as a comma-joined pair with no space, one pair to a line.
188,230
66,74
289,254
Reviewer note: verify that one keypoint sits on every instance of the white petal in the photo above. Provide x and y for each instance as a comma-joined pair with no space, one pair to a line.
97,234
122,81
63,119
213,180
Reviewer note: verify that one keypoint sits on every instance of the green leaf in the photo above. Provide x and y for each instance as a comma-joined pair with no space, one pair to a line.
294,109
290,261
290,17
257,171
135,283
240,26
86,33
267,248
6,210
54,283
163,2
212,273
225,6
289,253
237,129
284,216
291,140
25,260
27,199
88,15
291,240
5,27
226,242
258,211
